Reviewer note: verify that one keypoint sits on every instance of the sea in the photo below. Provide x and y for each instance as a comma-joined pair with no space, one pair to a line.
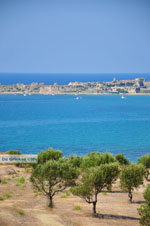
74,126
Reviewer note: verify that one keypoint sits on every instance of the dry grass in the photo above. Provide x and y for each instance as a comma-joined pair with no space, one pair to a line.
22,205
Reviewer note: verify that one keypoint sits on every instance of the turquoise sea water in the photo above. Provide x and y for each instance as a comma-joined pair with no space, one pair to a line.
93,123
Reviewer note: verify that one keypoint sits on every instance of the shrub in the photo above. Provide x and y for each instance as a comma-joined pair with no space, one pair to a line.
1,198
8,195
66,195
21,180
14,152
4,182
63,196
21,212
77,208
20,164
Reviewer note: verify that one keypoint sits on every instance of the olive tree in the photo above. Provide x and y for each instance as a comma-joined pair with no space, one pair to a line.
144,210
94,180
52,177
96,159
122,160
75,160
145,161
131,177
49,154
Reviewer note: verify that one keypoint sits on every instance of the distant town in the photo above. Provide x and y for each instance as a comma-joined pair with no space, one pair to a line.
136,86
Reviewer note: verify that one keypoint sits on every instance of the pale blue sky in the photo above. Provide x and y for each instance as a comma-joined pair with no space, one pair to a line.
75,36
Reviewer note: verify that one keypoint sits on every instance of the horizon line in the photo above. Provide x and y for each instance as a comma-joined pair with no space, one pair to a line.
70,73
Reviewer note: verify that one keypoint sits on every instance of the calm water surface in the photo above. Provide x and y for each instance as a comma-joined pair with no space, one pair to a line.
93,123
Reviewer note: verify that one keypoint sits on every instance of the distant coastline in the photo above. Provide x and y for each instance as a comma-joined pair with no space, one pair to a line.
138,86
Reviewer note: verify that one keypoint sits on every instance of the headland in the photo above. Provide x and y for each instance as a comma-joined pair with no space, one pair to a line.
132,87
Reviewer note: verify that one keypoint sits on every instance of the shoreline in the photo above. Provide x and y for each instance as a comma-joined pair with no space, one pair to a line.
76,94
138,86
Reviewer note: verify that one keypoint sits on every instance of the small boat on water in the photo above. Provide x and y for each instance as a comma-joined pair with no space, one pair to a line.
78,98
24,94
122,97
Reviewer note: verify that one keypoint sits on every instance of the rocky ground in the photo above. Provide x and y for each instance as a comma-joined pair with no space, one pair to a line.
21,205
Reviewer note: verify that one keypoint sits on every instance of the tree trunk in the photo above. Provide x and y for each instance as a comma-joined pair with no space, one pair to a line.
50,202
94,207
130,196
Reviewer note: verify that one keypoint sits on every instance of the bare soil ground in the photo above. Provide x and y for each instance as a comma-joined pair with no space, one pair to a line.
23,206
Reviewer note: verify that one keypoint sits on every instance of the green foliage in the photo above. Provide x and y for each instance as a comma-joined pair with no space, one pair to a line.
75,161
144,210
19,195
94,159
21,212
18,185
131,177
32,164
8,195
14,152
112,172
77,208
1,198
21,180
104,193
107,158
66,195
122,160
145,161
147,195
94,180
116,186
49,154
4,182
145,91
121,90
63,197
20,164
53,176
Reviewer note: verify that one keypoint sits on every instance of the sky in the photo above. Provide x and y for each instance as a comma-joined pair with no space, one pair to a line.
74,36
